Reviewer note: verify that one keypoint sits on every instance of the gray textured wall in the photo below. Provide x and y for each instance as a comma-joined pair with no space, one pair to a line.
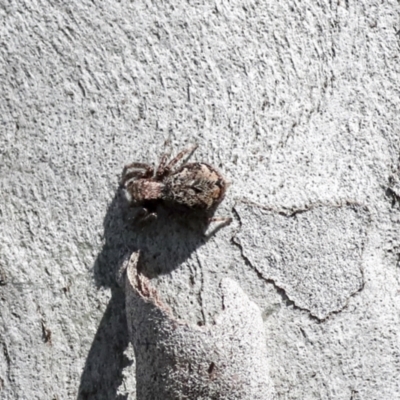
297,102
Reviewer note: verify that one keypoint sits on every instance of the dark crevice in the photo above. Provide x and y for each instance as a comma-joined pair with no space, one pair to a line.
8,361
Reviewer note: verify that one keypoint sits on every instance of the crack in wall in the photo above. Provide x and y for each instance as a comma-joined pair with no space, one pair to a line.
352,267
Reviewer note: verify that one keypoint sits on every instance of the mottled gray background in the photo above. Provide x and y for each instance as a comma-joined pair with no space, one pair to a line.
296,101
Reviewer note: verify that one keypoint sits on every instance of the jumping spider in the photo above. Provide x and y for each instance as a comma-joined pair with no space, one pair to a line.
194,187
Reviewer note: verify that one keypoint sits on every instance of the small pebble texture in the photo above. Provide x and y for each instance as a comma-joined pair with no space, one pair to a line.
296,102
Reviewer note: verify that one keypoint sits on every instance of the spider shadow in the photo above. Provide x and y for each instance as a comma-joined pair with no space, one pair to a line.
164,244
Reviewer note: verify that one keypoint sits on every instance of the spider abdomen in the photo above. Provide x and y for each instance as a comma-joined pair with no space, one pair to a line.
196,185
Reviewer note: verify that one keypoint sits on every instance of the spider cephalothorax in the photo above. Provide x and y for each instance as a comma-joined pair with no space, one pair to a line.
194,186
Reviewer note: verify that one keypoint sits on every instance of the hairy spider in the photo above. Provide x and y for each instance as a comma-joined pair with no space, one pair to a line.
196,187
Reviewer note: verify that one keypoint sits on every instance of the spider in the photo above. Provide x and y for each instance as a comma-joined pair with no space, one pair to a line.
195,187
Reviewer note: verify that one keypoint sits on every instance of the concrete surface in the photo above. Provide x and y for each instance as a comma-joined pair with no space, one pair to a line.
296,102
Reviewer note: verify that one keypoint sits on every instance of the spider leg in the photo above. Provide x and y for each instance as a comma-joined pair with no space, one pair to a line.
180,155
161,168
167,168
223,221
140,170
135,174
143,166
164,158
144,216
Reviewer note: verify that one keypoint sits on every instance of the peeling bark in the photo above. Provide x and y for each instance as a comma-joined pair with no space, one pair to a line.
177,360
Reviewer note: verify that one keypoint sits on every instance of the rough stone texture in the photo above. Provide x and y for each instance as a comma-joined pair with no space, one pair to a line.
297,102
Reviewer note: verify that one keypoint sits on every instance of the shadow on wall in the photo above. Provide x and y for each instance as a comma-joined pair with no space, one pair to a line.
164,243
